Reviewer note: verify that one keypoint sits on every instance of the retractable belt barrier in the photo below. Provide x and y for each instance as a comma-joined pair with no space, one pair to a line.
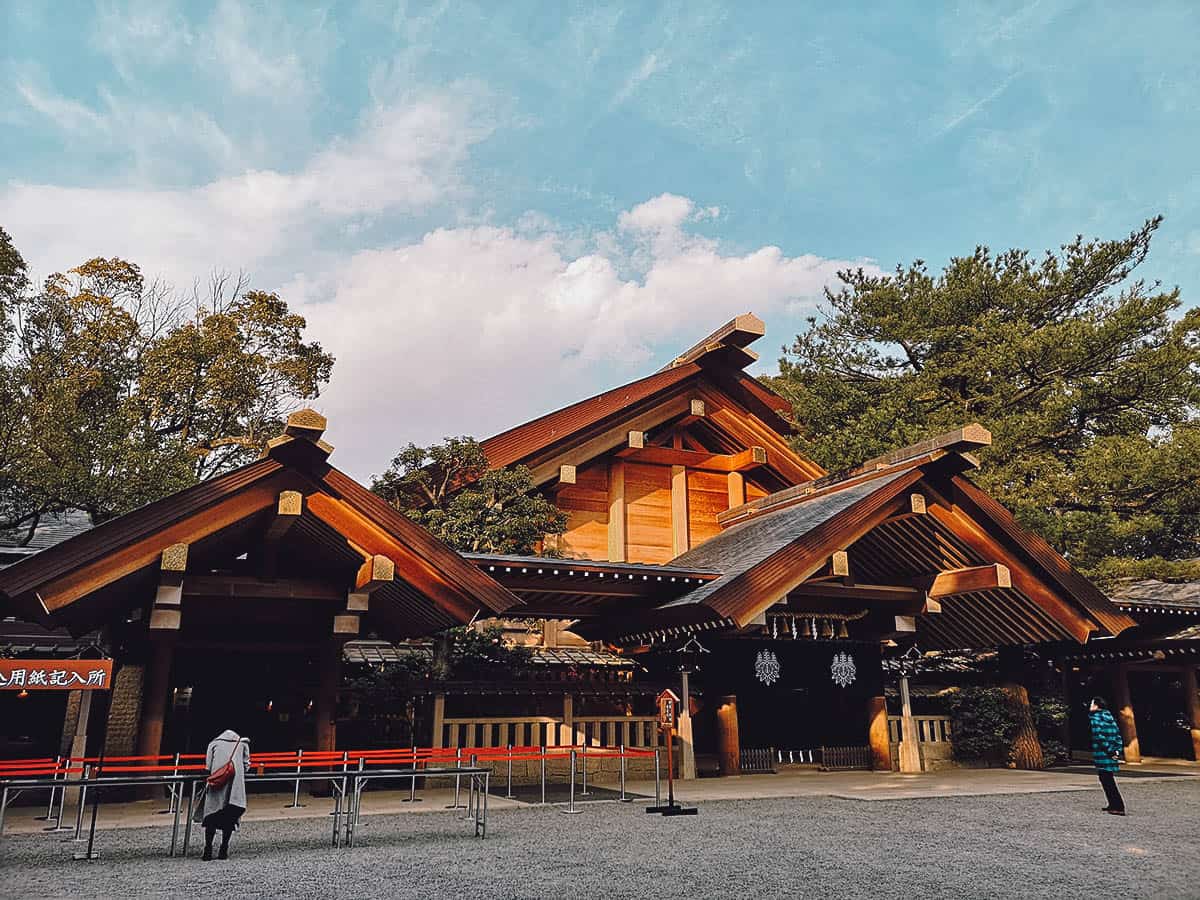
347,771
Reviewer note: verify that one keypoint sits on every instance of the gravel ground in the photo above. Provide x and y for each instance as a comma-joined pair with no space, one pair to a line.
1023,845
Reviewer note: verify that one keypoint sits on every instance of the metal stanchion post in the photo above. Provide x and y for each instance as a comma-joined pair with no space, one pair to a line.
357,794
571,810
3,807
508,794
173,805
187,826
457,778
623,798
657,781
412,789
543,776
584,792
90,853
87,770
296,804
53,778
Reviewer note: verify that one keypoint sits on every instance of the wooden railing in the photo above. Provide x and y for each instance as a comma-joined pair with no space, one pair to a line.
546,731
930,729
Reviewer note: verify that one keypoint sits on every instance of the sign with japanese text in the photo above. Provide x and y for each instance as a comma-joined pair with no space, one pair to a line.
668,706
55,674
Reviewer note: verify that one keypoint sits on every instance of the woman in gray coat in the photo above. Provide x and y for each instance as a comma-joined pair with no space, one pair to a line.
223,806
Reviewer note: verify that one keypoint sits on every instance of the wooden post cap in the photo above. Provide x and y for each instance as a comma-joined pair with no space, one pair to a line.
306,423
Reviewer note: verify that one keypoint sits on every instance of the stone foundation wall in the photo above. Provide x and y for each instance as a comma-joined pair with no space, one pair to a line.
125,711
601,770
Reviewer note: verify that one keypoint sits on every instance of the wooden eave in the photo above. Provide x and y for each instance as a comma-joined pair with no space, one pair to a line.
436,586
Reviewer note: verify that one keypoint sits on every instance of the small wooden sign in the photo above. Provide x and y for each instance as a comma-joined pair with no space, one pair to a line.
668,708
55,674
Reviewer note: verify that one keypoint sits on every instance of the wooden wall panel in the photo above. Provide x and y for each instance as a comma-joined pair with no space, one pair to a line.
753,491
708,494
586,506
648,505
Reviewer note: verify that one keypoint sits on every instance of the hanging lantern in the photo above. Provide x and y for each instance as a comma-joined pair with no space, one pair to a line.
826,630
843,632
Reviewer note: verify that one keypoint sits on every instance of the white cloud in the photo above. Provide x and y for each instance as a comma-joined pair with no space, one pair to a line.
466,329
650,65
405,158
472,330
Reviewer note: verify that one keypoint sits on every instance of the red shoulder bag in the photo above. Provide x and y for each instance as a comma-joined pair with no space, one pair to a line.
224,775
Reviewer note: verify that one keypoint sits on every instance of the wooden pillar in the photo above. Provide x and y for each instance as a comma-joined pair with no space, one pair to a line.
80,737
877,734
1123,712
1191,701
910,741
328,675
568,735
154,697
616,511
687,748
439,718
729,748
679,510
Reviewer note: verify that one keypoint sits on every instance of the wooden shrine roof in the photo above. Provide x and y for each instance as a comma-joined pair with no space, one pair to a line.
85,579
713,365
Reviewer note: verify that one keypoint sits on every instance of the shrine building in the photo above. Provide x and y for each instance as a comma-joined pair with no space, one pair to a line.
696,537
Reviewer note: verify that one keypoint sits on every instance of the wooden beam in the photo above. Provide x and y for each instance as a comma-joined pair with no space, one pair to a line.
839,563
695,414
345,624
679,510
877,593
735,334
374,573
358,602
613,438
966,580
246,587
287,514
748,459
616,511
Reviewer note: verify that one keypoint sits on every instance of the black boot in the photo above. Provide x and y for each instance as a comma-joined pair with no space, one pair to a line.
207,855
223,853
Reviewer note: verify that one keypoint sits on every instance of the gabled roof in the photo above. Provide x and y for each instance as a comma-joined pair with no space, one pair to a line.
434,587
713,367
779,542
768,555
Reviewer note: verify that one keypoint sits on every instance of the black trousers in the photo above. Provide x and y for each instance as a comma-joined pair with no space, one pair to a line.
1108,780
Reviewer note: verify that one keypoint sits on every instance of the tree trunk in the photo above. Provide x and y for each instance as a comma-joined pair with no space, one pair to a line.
1026,748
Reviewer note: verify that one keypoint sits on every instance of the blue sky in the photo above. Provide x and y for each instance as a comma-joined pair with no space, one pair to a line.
487,210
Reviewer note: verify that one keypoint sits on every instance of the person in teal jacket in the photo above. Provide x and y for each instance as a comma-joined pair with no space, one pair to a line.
1106,753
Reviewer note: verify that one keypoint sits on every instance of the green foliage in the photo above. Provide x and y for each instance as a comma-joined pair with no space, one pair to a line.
984,722
116,392
1088,379
1050,716
449,489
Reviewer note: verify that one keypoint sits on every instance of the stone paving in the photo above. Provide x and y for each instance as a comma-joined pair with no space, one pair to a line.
962,834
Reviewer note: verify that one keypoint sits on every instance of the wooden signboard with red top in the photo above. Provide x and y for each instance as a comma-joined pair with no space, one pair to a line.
55,674
668,713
